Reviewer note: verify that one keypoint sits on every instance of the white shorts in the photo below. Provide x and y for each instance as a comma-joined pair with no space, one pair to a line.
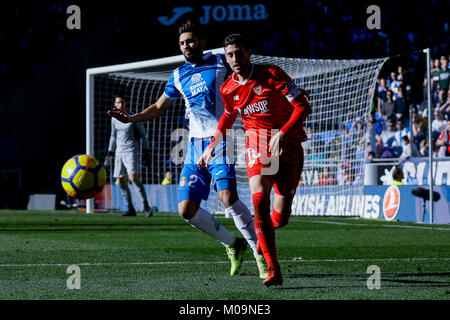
126,163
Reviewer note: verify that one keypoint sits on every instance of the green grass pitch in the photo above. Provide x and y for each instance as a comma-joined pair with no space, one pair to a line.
163,258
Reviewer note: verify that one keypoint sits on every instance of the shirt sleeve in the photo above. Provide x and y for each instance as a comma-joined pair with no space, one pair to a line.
112,139
140,128
407,150
171,91
281,81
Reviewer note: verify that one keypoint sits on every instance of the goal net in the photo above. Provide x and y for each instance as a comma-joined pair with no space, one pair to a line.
340,94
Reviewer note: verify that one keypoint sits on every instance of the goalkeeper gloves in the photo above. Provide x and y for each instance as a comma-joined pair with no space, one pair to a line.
108,157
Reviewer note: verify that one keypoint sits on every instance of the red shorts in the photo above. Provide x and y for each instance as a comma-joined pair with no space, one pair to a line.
285,174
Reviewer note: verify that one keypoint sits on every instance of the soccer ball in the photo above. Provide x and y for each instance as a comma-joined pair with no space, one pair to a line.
83,176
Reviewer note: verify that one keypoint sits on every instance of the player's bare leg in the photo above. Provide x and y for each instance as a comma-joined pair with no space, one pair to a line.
244,223
202,220
134,178
260,188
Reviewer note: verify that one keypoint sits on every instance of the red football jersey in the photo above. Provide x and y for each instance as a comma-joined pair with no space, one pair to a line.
266,100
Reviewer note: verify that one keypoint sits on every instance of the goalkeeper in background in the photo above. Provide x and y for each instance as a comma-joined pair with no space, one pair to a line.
124,144
198,81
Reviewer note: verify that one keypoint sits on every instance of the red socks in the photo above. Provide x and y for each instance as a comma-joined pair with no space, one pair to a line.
264,229
280,219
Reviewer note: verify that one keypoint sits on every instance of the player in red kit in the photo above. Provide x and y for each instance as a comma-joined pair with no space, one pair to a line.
272,109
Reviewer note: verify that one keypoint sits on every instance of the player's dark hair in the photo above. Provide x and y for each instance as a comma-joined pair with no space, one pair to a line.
120,95
397,174
188,26
237,39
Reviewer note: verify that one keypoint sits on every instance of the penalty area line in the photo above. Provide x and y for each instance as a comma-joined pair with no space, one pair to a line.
298,260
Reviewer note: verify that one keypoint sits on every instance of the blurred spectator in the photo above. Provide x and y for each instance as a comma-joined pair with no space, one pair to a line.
387,110
438,124
400,107
445,106
409,150
375,122
356,136
400,74
385,141
381,93
316,157
341,141
370,156
167,178
344,174
393,85
374,104
397,176
402,131
443,142
435,74
441,99
373,128
326,178
424,150
419,128
307,144
444,74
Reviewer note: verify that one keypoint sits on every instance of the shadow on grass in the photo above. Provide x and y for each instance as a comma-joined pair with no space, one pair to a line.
398,279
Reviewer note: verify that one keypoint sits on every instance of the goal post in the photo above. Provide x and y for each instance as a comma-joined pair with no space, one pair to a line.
91,73
340,91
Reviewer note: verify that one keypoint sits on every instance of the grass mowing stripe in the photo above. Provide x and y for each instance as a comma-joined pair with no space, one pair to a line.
211,262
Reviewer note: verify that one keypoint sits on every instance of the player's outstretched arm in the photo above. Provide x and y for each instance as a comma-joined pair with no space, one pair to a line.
155,110
120,115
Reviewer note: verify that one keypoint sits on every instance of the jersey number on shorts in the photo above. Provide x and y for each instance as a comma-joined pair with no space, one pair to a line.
252,157
192,179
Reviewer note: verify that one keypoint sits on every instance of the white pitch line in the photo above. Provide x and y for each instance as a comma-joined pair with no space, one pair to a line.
209,262
381,225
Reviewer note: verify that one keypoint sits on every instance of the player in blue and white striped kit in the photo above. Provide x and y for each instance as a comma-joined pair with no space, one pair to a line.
198,81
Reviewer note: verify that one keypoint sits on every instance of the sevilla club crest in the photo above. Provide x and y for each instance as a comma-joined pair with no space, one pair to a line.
257,89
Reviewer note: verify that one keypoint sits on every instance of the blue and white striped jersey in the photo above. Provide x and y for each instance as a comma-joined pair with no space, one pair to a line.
200,87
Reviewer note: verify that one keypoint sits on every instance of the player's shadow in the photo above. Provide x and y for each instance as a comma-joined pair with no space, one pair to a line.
395,280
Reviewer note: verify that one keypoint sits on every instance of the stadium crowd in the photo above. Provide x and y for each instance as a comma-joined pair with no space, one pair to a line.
398,128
